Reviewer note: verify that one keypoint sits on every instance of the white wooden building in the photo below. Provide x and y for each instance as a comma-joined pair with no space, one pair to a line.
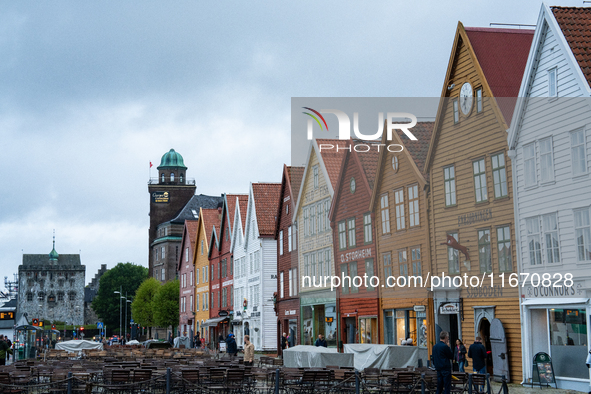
549,141
255,268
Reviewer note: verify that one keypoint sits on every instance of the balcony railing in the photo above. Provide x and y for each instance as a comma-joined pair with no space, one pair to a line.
158,181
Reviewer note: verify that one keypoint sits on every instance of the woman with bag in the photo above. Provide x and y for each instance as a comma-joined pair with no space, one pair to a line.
460,355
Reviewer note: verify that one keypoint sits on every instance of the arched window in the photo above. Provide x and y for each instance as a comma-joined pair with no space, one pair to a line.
162,178
172,176
181,178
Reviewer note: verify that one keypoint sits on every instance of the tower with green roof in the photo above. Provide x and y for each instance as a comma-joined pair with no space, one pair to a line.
169,193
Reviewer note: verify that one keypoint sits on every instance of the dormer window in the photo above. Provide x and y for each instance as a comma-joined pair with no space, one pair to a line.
172,176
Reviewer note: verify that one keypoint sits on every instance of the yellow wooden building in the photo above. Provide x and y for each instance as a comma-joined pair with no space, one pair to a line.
471,200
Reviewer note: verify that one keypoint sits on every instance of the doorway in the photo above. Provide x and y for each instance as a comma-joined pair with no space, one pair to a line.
484,333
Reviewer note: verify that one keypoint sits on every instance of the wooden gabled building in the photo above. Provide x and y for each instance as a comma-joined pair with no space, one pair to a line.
471,197
352,221
287,306
400,206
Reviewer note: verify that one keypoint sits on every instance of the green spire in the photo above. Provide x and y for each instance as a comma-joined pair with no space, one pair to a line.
172,159
53,254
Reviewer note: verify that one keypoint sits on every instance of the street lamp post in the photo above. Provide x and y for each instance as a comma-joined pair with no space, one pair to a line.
126,302
120,321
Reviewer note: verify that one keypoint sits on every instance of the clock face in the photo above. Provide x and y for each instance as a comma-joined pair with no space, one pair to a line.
466,98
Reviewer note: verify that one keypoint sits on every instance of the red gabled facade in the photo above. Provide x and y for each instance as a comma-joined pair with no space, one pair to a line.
185,273
354,246
287,307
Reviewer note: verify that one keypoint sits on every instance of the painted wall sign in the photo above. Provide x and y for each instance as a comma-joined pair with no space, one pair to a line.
475,217
356,255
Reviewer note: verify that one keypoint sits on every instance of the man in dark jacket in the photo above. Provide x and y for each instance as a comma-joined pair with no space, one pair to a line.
4,348
477,352
442,356
231,346
321,341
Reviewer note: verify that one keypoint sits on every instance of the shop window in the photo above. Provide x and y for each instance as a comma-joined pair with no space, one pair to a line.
568,342
368,330
484,256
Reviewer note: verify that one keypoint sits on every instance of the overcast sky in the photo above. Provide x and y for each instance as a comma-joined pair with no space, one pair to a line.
91,92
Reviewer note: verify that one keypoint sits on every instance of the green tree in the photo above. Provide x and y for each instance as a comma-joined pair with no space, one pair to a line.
142,307
124,278
166,305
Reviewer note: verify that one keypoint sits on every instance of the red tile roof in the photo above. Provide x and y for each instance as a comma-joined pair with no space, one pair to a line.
575,24
266,199
369,161
243,201
420,148
502,55
210,218
332,159
191,228
295,179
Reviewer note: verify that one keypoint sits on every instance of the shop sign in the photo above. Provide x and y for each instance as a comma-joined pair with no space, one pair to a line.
160,197
449,308
419,308
223,313
550,291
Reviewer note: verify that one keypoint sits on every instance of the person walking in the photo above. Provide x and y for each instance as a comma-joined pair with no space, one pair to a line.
460,354
442,355
248,351
284,343
231,345
477,352
4,350
321,341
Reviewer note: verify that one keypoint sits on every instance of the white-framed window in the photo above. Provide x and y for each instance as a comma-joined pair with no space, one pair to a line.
367,228
387,259
453,257
296,282
385,214
504,248
413,205
552,83
295,236
499,175
289,238
533,240
480,180
583,234
456,110
163,253
415,257
313,227
191,303
399,209
205,269
578,152
351,232
478,100
290,283
186,254
281,242
190,279
546,160
551,240
315,172
202,246
196,276
196,302
342,235
327,260
449,179
484,254
281,291
163,274
306,229
403,263
529,164
320,216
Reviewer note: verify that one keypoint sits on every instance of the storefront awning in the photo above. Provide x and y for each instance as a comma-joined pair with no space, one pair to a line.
214,321
554,301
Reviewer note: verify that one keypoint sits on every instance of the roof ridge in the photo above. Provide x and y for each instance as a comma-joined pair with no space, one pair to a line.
500,30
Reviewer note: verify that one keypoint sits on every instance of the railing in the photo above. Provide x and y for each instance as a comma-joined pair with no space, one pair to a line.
158,181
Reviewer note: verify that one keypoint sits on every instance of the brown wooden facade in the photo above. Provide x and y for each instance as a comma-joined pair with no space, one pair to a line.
354,247
287,306
399,203
466,152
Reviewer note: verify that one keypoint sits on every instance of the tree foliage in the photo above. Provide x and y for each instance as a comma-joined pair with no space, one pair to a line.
142,307
166,304
125,278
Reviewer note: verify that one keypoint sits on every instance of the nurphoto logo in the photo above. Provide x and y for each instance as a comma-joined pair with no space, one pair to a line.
345,128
